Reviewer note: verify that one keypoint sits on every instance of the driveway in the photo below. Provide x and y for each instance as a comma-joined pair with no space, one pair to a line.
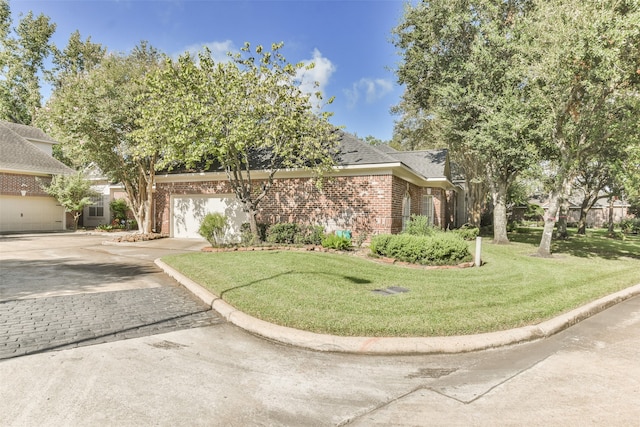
219,375
66,290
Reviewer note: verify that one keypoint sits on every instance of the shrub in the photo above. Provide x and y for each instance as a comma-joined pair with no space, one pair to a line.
331,241
119,209
247,238
437,249
467,232
213,227
630,225
309,235
419,225
283,233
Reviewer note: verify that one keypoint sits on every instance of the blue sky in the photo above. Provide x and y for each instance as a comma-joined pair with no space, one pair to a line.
349,40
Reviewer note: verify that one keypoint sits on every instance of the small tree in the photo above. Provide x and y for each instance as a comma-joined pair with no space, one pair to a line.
73,192
213,228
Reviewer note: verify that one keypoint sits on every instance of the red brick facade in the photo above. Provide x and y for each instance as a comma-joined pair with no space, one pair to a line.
13,184
370,204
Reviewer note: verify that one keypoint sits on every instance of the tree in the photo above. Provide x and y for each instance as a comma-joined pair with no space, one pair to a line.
94,114
583,65
21,60
463,67
245,114
73,192
77,58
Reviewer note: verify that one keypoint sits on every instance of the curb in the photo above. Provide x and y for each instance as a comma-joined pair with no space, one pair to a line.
398,345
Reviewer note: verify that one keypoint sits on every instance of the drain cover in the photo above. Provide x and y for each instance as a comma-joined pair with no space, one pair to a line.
391,290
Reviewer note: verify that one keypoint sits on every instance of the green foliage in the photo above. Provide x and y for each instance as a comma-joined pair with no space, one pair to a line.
247,238
420,225
340,243
467,232
630,225
436,249
73,192
283,233
213,228
292,233
93,114
244,113
119,208
23,50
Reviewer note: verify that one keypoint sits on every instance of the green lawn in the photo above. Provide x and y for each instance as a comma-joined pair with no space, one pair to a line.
332,293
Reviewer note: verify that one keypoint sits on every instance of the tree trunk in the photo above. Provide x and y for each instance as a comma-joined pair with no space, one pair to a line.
253,224
582,222
556,199
475,197
499,197
611,216
561,231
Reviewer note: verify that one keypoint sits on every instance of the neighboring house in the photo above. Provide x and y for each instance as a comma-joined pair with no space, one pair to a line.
372,190
99,212
26,165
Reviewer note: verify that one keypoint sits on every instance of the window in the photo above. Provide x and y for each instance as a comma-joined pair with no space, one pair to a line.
427,208
406,210
97,208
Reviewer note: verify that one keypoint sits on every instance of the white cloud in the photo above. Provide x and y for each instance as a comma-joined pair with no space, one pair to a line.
320,73
371,89
218,49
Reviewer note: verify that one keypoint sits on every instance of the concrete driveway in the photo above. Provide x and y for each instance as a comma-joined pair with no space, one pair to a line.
219,375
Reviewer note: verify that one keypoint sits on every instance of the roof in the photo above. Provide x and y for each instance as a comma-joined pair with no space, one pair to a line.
427,163
18,154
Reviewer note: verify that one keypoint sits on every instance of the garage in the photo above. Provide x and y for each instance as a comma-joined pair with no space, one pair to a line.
188,211
19,213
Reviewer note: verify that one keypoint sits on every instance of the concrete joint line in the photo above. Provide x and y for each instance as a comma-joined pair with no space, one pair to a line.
398,345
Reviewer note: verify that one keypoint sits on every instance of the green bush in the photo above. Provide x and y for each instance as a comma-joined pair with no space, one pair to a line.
119,209
331,241
419,225
630,225
467,232
437,249
309,235
247,238
283,233
213,227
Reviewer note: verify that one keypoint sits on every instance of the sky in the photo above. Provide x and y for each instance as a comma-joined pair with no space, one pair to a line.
348,40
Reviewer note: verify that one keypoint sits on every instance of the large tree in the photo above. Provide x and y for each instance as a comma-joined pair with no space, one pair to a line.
244,114
23,51
585,62
94,114
463,66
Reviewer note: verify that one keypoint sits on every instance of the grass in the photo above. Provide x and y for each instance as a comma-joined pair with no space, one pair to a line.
332,293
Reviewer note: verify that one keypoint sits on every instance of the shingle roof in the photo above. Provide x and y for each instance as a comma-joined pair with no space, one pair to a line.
428,164
19,155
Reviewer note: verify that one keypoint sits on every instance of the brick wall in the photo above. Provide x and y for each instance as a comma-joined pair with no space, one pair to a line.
14,184
370,204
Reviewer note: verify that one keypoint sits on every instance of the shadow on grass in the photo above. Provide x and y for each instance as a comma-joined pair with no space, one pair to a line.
596,244
354,280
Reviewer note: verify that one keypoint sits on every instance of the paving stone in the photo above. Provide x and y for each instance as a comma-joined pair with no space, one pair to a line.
29,326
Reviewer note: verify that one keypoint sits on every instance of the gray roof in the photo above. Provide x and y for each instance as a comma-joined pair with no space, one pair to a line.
428,163
17,154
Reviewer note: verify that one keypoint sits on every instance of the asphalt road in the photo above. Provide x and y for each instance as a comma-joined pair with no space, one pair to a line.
219,375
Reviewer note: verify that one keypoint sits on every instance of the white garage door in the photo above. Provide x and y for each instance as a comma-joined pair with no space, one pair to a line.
187,213
19,213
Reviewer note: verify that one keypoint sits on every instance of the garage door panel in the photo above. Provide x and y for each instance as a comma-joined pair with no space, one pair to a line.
189,211
18,213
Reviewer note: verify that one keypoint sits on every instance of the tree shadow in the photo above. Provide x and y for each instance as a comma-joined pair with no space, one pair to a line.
594,245
352,279
21,278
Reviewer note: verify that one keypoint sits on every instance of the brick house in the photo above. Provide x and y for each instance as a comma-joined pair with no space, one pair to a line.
372,190
26,164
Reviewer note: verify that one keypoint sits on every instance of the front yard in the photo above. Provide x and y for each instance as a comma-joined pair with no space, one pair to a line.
333,293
